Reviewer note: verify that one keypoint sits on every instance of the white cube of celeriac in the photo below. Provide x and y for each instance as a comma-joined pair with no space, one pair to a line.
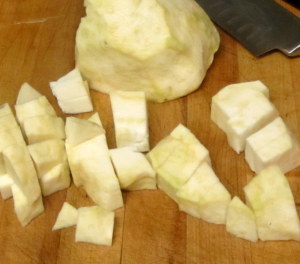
8,122
273,145
5,186
50,160
91,167
95,225
255,115
204,196
271,199
26,210
240,220
232,98
26,94
10,137
20,167
72,93
130,119
181,163
67,217
95,118
40,106
133,169
5,110
44,127
79,130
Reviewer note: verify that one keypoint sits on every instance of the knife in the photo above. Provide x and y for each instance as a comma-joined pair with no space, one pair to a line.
259,25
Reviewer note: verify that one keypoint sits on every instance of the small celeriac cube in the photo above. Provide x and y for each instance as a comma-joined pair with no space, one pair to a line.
20,167
43,127
40,106
95,118
130,119
26,94
26,210
72,93
91,168
274,144
240,220
204,196
271,199
5,186
179,165
252,117
234,97
68,216
133,169
95,225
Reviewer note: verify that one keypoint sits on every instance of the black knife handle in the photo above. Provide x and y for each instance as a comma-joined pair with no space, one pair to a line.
295,3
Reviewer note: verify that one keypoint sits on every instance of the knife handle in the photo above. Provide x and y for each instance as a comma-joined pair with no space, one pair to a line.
295,3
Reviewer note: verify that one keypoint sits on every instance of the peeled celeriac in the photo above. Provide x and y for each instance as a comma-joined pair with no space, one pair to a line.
72,93
50,160
231,99
25,209
174,168
130,119
91,165
43,127
133,170
204,196
274,144
95,225
67,217
161,47
26,94
240,220
5,186
270,197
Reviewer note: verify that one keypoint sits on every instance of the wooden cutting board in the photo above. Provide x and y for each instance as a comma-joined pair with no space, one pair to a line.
37,46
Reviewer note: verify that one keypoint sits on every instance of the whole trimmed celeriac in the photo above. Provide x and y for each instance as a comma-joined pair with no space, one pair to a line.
162,47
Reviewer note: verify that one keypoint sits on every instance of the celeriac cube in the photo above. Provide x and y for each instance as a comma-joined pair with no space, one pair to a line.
181,163
5,186
270,197
79,130
26,94
232,98
72,93
95,225
67,217
240,220
20,167
252,117
91,167
95,118
8,122
40,106
273,145
26,210
43,127
204,196
133,170
130,119
11,136
50,159
5,110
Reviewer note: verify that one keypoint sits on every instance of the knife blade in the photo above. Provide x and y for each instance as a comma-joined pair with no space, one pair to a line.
259,25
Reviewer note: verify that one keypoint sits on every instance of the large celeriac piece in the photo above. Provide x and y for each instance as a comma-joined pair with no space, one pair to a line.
91,167
240,220
130,119
162,47
204,196
72,93
175,166
133,169
68,216
270,197
274,144
95,225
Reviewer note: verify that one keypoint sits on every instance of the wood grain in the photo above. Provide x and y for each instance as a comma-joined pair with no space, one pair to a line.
37,46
